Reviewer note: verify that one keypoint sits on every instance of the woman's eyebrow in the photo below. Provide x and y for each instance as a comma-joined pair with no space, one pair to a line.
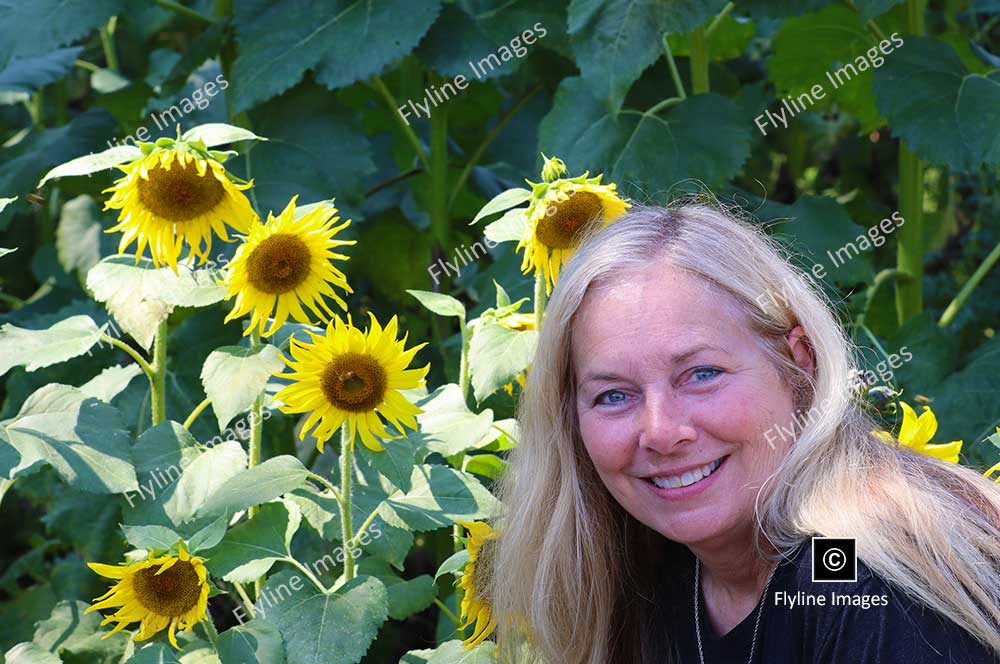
674,359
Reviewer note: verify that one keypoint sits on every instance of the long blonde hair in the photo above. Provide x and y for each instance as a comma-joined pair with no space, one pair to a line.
571,570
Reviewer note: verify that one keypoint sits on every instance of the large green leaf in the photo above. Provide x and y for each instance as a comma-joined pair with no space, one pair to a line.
729,40
453,652
651,151
452,47
92,163
615,40
154,653
213,134
76,636
504,20
946,114
439,303
447,426
342,39
406,597
80,237
438,496
111,382
233,376
810,49
35,349
139,295
497,355
82,438
256,642
318,628
29,653
34,28
395,462
275,477
23,76
250,549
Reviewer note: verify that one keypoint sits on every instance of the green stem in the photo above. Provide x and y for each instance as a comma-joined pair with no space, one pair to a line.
158,395
699,62
464,374
403,124
356,540
196,412
882,278
246,599
439,174
256,437
541,297
309,575
674,74
660,105
139,359
477,155
108,43
325,482
956,305
718,19
89,66
910,250
346,457
210,631
448,612
181,10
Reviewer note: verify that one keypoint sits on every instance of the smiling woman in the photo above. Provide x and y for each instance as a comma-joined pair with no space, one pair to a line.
650,518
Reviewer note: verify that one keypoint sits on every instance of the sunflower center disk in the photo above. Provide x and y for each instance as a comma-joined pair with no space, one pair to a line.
278,264
173,593
482,572
354,382
559,229
180,194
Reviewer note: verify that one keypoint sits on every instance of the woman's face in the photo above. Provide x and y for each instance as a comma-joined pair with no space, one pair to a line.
672,384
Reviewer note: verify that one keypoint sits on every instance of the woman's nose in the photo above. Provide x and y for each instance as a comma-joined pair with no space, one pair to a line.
664,424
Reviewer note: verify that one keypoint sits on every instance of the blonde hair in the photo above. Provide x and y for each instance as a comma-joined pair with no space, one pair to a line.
570,582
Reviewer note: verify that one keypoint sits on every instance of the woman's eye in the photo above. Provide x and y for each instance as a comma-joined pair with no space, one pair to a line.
702,374
611,397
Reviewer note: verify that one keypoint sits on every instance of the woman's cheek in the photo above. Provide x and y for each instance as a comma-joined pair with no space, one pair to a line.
606,441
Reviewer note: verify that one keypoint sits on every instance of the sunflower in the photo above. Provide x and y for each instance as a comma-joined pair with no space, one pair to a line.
174,195
560,209
996,468
162,591
286,263
519,323
475,582
349,376
917,432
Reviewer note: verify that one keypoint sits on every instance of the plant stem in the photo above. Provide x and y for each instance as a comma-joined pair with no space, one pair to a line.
256,416
346,457
108,43
180,9
309,575
910,250
674,74
403,124
718,19
210,631
139,359
477,155
699,62
956,305
464,374
541,297
89,66
325,482
439,174
361,531
196,412
660,105
882,278
246,599
448,612
158,395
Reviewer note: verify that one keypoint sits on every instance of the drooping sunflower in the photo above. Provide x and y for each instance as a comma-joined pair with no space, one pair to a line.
519,323
996,468
917,432
560,209
286,263
160,592
350,376
475,582
175,195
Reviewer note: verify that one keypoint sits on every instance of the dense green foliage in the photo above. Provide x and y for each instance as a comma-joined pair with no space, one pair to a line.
664,98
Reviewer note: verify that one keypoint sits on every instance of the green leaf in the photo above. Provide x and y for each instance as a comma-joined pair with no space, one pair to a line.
24,76
487,465
615,40
406,597
233,376
508,228
946,114
256,642
447,47
497,355
66,627
453,652
4,202
219,133
275,477
503,201
335,628
808,51
447,426
454,564
35,349
439,496
139,295
869,9
155,653
151,537
22,164
29,653
652,151
82,438
934,353
80,237
250,549
208,536
395,462
33,28
439,303
781,8
729,40
111,382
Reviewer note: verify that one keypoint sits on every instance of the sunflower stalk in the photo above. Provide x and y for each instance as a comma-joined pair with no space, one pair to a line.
210,631
158,396
346,456
699,62
963,295
464,373
541,298
198,410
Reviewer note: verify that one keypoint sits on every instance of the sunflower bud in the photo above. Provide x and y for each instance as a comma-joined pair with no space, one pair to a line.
553,169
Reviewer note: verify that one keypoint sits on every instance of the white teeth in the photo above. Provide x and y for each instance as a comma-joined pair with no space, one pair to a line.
688,478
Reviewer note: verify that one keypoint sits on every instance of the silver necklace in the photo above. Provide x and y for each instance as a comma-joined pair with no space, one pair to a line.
697,619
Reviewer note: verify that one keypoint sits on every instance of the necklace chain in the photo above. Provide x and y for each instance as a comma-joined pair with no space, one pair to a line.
697,619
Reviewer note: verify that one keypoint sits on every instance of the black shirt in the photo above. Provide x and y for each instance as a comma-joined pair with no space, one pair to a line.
891,629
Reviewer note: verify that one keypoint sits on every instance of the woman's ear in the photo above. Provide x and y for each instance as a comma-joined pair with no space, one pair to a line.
801,349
